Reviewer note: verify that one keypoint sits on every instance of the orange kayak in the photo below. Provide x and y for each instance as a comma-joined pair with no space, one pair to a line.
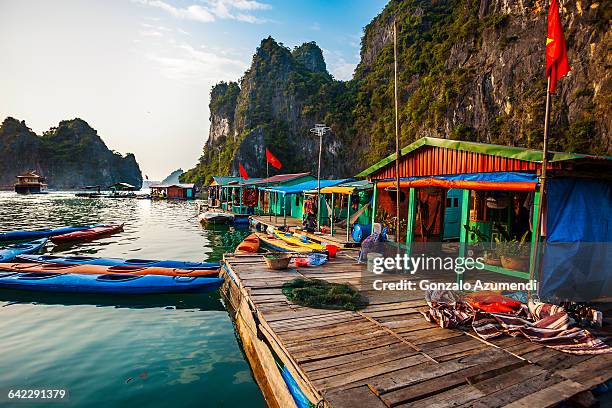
250,245
91,233
102,270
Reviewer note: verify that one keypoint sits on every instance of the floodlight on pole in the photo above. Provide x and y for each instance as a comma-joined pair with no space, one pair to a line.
320,129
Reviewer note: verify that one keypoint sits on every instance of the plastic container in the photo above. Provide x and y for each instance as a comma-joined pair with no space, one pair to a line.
361,232
331,250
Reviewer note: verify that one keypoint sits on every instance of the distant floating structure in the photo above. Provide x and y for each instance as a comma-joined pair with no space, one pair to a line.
30,183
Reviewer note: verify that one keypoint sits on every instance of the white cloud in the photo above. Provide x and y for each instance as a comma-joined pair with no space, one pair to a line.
315,26
212,10
151,33
196,66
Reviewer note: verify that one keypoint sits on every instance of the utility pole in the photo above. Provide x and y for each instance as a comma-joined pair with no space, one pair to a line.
397,138
320,129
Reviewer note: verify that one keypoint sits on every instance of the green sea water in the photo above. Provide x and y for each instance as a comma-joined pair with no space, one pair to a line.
109,351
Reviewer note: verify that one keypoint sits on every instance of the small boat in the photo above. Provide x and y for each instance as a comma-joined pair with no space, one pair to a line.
127,284
249,245
9,252
42,233
215,217
299,240
101,270
278,244
91,260
91,233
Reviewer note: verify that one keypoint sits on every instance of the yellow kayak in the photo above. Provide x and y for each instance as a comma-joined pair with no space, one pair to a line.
297,240
279,245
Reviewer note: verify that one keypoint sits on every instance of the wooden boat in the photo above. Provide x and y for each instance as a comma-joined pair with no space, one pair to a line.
279,245
91,233
101,270
11,251
42,233
215,217
126,284
92,260
249,245
301,241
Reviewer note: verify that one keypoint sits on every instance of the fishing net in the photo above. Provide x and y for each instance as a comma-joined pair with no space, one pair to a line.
320,294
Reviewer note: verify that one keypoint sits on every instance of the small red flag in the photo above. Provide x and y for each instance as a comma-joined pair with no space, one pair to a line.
273,160
556,53
243,172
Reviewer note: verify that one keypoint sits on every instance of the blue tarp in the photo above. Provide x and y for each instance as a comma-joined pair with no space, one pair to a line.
298,395
578,251
497,177
305,186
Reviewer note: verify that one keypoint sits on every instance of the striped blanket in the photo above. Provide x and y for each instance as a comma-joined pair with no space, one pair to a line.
541,323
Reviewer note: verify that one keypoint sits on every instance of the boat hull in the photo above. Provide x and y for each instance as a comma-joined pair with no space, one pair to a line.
249,245
279,245
91,233
42,233
101,270
90,260
107,284
12,251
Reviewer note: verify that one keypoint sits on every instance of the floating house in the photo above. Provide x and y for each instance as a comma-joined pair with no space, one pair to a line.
494,192
173,191
30,183
215,189
243,197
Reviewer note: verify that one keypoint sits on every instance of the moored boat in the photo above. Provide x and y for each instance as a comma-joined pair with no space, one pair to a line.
91,233
11,251
42,233
215,217
107,284
299,240
91,260
101,270
249,245
279,245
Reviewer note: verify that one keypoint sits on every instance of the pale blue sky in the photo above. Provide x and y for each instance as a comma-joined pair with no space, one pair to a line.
140,71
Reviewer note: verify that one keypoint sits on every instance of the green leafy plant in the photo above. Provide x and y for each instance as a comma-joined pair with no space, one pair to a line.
512,248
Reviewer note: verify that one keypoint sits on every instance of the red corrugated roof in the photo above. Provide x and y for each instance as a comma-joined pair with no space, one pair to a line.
279,178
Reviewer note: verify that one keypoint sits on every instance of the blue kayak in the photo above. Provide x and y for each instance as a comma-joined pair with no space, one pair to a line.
9,252
145,263
107,284
42,233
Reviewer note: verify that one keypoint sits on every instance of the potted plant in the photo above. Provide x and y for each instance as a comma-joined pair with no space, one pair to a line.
477,240
514,254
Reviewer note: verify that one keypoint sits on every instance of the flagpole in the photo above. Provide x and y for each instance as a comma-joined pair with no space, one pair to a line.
268,186
538,227
397,140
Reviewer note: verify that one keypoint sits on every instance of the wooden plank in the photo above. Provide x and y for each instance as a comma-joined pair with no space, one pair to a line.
355,356
355,397
313,355
448,381
450,398
368,372
400,351
550,396
591,372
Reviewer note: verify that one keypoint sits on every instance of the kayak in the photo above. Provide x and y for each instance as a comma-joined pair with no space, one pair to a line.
42,233
90,260
299,240
11,251
101,270
249,245
280,245
91,233
216,217
107,284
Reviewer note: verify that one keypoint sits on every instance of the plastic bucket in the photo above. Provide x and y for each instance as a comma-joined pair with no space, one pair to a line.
331,250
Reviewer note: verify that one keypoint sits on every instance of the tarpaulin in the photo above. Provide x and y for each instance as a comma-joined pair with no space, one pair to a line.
578,250
305,186
511,181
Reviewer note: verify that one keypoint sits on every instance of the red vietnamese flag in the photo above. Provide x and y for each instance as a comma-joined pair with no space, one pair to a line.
270,158
243,172
556,53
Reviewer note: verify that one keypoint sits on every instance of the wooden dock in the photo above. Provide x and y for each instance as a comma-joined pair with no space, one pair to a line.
387,355
295,225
